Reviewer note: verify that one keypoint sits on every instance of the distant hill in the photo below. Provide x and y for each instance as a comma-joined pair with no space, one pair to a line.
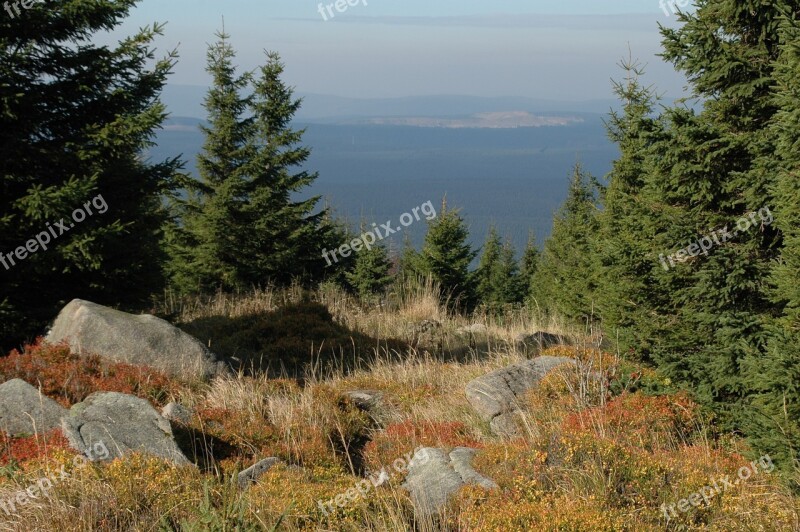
186,100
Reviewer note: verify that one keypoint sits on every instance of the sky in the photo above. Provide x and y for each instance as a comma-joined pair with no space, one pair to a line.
566,50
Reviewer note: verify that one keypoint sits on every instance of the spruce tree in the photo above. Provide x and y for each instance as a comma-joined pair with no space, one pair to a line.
709,170
499,282
283,236
241,225
207,249
370,272
565,278
627,273
76,120
446,256
529,265
773,417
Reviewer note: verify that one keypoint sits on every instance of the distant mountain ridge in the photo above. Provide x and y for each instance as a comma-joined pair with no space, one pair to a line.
187,101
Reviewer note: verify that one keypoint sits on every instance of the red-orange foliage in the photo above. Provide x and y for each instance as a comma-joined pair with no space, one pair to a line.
20,450
639,419
400,438
69,378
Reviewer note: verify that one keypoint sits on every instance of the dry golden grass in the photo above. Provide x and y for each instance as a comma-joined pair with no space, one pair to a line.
594,455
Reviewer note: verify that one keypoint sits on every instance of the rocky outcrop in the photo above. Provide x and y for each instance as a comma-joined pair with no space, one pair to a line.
89,328
24,410
177,413
496,395
255,471
122,424
434,475
538,341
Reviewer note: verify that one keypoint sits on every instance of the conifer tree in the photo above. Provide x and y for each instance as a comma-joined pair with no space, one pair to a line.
76,119
498,276
565,278
284,236
529,265
709,170
241,225
370,272
207,249
624,245
446,256
773,418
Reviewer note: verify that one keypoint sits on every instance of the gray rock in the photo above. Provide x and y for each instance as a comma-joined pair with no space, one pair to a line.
89,328
538,341
434,475
122,424
506,425
474,329
23,410
500,391
255,471
367,400
177,413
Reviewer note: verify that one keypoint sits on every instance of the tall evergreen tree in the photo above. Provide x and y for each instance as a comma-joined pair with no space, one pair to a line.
284,236
207,250
627,280
565,278
710,169
242,225
76,118
773,417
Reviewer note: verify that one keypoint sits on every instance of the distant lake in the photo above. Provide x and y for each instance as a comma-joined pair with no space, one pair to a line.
515,178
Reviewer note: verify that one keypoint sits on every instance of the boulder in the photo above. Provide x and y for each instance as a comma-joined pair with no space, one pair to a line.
538,341
498,393
255,471
89,328
24,410
177,413
434,475
122,424
474,329
366,400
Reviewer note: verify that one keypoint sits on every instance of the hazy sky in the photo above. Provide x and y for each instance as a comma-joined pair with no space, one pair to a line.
562,50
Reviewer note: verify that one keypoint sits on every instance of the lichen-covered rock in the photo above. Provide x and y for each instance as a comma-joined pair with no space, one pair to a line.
24,410
434,475
122,424
254,472
89,328
498,393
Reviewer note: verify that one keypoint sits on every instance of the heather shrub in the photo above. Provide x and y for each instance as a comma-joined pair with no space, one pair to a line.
69,378
398,439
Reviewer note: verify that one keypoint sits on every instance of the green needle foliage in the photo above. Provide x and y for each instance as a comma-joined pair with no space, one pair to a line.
75,121
565,280
241,225
499,281
445,258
